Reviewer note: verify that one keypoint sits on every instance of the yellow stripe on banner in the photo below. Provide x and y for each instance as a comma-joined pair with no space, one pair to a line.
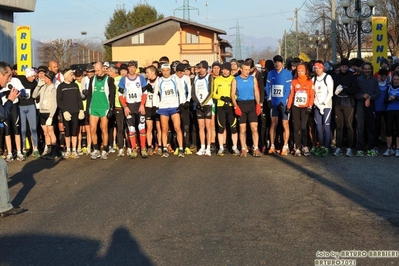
380,41
24,48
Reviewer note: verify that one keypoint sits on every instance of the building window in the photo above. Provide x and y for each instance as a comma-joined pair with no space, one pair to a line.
138,39
192,38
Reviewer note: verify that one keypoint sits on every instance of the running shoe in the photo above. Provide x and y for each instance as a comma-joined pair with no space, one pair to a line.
144,153
75,155
349,152
104,155
372,153
9,158
272,150
220,152
159,152
111,149
376,150
285,151
20,157
397,153
150,150
244,153
305,151
201,152
324,151
208,152
66,154
187,151
389,152
236,152
79,152
134,154
318,151
84,150
176,152
129,152
121,153
180,154
338,152
297,153
95,155
36,153
193,148
360,154
312,150
257,153
165,154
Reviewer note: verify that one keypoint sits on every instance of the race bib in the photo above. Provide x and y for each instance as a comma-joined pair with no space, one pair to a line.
301,97
277,91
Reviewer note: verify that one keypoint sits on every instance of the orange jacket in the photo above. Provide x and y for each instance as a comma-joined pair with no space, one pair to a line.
302,94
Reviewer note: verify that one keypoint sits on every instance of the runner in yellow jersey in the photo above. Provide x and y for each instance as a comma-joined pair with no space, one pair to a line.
221,93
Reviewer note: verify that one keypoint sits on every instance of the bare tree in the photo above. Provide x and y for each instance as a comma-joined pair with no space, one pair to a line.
68,52
318,17
266,53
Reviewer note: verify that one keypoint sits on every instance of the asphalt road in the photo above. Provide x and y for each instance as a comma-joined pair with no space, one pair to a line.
200,211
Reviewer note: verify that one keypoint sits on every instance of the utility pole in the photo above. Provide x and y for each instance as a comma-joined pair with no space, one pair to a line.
186,8
285,45
334,33
237,51
296,31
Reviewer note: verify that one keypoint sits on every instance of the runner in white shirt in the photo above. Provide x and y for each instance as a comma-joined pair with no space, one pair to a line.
170,97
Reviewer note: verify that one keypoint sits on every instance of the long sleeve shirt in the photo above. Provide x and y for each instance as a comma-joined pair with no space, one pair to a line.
68,97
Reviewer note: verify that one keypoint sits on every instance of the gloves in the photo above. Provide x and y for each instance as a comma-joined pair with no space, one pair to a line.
225,99
338,89
81,115
281,106
258,109
22,94
237,111
321,110
269,104
149,88
309,110
67,116
109,113
186,105
49,121
287,111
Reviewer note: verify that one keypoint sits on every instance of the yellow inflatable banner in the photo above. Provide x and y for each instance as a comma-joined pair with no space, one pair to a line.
24,48
380,41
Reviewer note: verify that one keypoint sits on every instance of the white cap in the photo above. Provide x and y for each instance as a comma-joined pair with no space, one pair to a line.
29,72
106,64
165,66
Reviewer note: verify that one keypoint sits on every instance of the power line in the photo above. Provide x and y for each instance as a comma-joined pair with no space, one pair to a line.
95,8
303,4
272,14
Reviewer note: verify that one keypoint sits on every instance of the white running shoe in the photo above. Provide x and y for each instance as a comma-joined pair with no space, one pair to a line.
208,152
201,152
104,155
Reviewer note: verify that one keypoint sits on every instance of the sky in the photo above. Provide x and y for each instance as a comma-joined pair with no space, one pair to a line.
67,19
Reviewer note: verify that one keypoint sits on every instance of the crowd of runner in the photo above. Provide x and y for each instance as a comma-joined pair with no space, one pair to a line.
238,107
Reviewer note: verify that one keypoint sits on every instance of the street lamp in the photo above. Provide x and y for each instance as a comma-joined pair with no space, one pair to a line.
317,39
358,17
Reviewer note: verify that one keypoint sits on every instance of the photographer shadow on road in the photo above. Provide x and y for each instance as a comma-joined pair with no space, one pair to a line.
26,177
39,249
